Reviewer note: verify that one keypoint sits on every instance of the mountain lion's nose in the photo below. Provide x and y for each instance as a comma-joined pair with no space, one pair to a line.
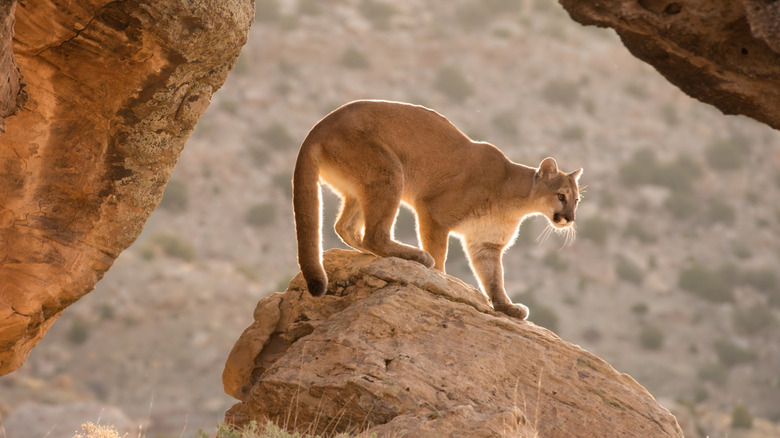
557,217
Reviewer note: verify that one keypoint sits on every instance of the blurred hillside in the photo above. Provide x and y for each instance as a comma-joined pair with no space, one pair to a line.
673,278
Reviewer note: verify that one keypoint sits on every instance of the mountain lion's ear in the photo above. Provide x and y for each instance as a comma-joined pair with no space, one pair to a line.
547,169
576,174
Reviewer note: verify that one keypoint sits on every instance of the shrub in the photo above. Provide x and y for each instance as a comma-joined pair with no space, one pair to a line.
283,181
628,271
706,284
277,136
544,316
651,337
553,260
310,7
406,225
242,65
636,171
741,250
267,11
682,205
78,332
720,212
644,168
106,312
700,393
561,92
572,133
260,215
92,430
652,262
635,89
640,309
173,246
765,280
594,228
267,430
477,14
592,335
670,115
753,319
724,154
741,417
147,253
678,174
228,105
248,272
451,81
506,123
715,373
731,354
378,13
473,15
354,58
638,231
175,198
456,257
283,87
258,154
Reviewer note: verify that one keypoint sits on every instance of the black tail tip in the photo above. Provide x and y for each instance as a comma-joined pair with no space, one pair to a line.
316,287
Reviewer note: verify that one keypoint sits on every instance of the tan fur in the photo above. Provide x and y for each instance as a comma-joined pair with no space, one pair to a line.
377,154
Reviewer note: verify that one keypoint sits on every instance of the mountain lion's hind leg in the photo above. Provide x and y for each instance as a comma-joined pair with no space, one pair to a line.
350,223
380,207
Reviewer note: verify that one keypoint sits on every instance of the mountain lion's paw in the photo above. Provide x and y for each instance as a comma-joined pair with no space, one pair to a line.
514,310
427,259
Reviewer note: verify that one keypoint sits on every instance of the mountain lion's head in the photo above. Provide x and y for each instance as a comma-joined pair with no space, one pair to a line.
557,193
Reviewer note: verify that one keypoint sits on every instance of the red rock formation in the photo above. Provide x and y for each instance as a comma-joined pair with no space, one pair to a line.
400,350
722,52
115,90
12,94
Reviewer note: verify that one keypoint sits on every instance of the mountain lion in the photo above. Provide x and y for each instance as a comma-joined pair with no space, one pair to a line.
377,154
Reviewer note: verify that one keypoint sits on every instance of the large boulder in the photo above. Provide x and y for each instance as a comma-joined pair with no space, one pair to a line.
402,350
115,89
722,52
12,94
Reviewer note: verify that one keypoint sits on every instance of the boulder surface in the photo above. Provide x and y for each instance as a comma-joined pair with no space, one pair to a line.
401,350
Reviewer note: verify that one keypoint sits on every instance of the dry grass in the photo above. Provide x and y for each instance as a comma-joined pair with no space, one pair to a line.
92,430
271,430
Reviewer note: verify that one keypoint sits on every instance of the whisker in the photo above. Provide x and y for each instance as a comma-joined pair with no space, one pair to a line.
544,234
566,236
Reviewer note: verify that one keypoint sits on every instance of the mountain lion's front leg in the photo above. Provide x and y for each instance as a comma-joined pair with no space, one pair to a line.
486,262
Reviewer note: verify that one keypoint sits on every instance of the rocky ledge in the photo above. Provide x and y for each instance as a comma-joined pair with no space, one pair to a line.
400,350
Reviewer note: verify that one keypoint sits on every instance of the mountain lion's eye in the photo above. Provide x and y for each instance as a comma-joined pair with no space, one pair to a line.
561,197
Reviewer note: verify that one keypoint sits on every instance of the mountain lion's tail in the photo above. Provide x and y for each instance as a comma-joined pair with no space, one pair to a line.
306,208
